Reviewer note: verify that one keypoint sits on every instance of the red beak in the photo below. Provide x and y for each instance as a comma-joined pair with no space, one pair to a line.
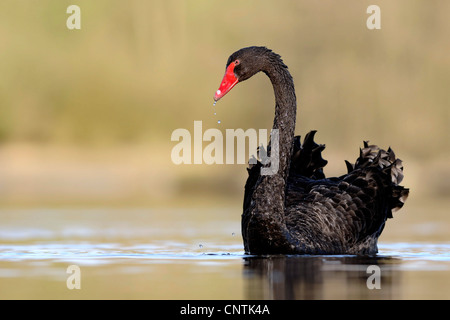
228,82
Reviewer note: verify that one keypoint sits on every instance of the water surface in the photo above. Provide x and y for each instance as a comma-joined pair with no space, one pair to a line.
193,254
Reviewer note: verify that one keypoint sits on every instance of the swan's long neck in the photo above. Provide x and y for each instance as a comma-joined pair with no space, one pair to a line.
266,219
285,113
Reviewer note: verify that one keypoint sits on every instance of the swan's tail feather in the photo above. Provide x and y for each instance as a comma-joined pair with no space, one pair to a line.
390,169
307,158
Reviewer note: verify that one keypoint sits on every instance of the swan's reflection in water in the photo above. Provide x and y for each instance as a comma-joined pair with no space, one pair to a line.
321,277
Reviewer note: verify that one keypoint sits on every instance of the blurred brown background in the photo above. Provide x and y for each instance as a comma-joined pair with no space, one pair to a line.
86,115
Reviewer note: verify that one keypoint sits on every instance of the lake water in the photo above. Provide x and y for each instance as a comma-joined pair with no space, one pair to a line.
145,253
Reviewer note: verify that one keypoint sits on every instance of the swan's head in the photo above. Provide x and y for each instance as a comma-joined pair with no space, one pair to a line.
242,65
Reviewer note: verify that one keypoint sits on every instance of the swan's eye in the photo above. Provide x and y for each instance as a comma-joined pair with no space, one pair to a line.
236,62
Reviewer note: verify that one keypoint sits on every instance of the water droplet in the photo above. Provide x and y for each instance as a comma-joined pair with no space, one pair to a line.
214,104
200,245
218,121
233,234
215,113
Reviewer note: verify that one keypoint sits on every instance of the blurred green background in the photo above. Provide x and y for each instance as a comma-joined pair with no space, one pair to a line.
86,115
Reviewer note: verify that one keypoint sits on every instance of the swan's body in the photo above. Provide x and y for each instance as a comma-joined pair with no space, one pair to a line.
297,210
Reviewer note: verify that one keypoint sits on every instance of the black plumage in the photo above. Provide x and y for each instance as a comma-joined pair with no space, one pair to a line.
298,210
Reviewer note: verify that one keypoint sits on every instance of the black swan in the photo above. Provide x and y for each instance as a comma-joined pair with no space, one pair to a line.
298,210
